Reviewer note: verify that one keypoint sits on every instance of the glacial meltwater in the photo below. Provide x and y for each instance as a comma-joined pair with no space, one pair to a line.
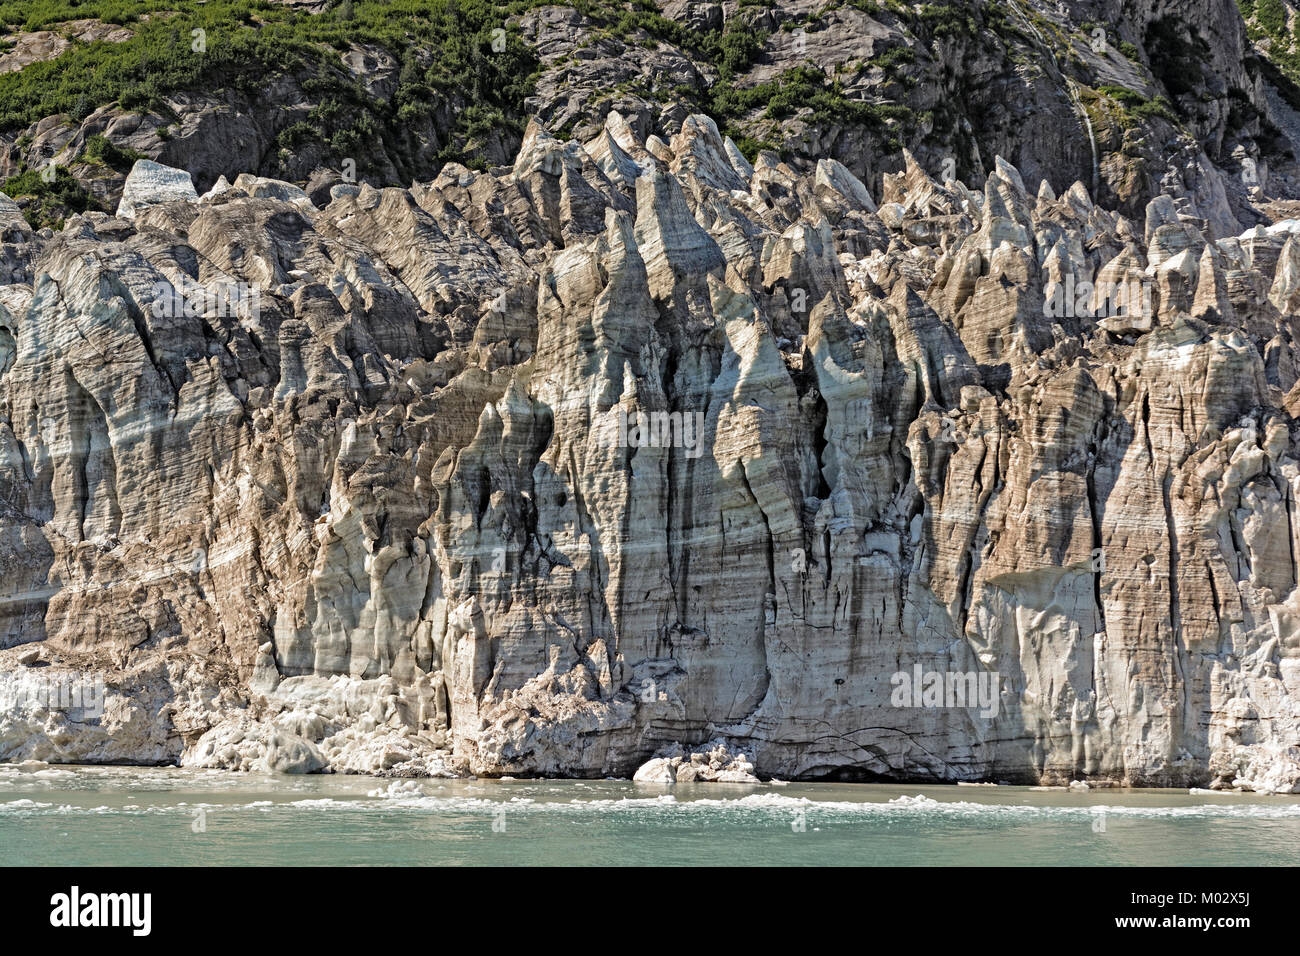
61,815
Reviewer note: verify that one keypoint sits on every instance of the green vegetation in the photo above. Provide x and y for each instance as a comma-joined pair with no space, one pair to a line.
1130,98
948,19
1271,16
750,147
806,87
50,200
464,70
39,14
1280,48
101,152
738,48
1126,109
893,58
462,61
474,74
1267,27
953,18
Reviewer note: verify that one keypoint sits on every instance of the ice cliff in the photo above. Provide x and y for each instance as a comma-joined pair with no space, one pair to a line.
633,447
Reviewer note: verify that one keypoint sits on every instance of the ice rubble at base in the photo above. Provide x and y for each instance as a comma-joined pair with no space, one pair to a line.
56,714
314,724
351,725
717,762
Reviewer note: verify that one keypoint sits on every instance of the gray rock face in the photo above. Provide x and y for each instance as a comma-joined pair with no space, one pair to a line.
1031,80
617,452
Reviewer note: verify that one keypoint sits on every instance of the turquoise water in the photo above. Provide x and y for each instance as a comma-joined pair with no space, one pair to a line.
168,816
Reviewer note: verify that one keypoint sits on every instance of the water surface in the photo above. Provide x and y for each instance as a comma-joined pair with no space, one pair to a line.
89,816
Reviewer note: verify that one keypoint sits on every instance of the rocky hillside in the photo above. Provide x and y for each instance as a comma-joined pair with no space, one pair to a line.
656,439
1133,99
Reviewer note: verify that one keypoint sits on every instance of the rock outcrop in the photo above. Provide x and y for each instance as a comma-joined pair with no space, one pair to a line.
1135,98
555,467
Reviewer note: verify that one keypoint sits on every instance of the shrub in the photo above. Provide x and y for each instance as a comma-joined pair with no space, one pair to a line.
50,199
101,151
